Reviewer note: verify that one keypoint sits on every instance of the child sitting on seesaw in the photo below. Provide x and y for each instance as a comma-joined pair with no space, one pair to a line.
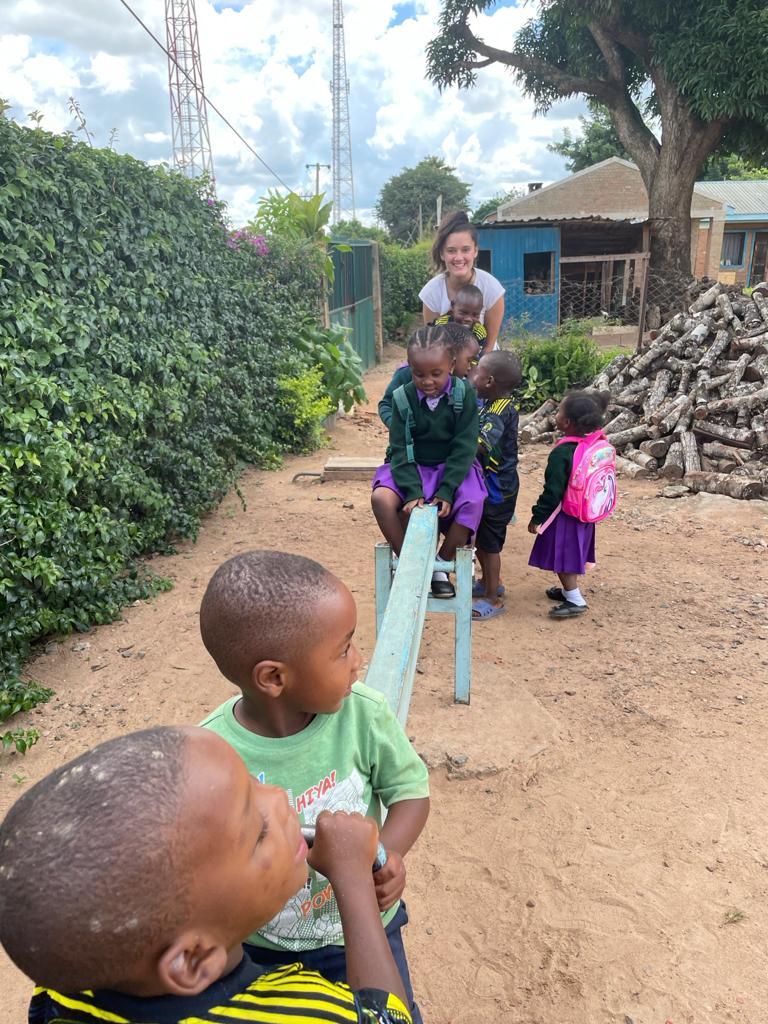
467,310
496,377
280,627
130,876
432,446
465,348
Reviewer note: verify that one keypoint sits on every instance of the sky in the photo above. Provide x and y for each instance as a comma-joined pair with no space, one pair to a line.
267,65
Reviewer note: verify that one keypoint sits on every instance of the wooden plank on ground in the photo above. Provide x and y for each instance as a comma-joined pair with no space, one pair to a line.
351,467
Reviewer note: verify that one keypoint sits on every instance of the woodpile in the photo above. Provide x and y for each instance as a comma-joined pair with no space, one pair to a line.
693,404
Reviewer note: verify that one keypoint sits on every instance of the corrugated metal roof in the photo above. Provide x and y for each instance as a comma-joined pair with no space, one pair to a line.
740,197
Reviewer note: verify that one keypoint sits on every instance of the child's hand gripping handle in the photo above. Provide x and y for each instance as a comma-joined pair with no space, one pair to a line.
381,854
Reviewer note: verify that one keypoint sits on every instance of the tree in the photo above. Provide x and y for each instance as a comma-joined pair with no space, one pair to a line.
409,199
599,141
355,229
696,66
492,204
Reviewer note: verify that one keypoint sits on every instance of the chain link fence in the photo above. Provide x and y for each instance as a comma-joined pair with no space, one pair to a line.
621,292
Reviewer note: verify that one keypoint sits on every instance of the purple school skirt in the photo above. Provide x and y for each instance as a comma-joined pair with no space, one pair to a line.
468,500
567,545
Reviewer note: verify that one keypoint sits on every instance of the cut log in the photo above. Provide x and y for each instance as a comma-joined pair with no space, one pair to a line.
673,464
715,350
656,446
658,391
684,423
631,469
720,483
708,298
531,431
685,379
760,429
761,302
756,344
736,403
691,460
642,459
548,408
725,433
737,373
645,362
623,421
716,450
724,302
681,405
613,369
630,436
757,369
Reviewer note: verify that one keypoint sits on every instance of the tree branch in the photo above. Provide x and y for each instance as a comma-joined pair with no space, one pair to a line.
611,54
561,81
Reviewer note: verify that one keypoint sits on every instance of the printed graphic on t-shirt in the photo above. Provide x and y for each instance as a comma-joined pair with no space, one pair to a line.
311,917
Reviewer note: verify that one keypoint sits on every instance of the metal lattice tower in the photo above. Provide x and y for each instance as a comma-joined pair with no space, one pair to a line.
189,116
341,149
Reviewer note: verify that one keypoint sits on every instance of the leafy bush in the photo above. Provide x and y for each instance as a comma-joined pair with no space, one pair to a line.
145,353
340,366
552,365
404,272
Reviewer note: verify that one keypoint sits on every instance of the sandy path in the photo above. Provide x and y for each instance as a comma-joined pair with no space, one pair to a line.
579,866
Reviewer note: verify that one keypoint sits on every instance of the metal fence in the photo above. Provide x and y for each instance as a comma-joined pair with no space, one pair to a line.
352,300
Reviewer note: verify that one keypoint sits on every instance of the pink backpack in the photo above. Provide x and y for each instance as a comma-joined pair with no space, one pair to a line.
591,492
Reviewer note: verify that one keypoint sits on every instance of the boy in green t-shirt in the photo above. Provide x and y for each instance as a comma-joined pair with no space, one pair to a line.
280,628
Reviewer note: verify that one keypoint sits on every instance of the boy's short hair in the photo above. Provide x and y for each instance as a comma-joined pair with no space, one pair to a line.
92,870
470,293
262,605
504,366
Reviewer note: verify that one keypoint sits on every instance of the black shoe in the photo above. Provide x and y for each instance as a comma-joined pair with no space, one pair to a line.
555,593
443,589
567,610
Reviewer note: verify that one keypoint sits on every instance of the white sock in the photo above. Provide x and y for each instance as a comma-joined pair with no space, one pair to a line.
575,597
438,576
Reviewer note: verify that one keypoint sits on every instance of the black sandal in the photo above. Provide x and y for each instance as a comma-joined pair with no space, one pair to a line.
443,589
567,610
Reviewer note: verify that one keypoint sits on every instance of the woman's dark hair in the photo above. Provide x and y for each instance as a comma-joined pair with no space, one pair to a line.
433,336
454,222
585,409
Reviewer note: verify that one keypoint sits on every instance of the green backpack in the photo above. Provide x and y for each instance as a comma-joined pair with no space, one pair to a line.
456,398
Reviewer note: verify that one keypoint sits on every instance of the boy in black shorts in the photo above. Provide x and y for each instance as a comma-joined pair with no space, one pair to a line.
495,378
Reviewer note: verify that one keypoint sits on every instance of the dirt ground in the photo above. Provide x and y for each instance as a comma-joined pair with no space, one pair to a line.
602,853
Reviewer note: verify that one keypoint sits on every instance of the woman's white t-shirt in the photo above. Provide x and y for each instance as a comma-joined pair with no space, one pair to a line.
434,294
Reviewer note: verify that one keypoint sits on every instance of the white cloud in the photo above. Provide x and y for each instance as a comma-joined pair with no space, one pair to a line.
267,65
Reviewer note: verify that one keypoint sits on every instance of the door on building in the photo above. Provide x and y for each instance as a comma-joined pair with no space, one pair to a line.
759,259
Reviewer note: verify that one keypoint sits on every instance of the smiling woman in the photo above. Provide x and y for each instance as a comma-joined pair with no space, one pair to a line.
454,253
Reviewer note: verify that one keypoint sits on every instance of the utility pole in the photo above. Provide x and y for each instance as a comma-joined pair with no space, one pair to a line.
189,116
317,168
341,148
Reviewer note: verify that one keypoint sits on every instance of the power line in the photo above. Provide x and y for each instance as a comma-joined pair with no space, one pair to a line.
208,102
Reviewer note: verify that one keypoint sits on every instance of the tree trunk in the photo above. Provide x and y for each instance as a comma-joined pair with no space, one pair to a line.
719,483
631,469
691,459
673,467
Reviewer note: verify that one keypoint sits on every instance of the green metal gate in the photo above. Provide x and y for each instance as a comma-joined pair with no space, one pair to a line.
352,299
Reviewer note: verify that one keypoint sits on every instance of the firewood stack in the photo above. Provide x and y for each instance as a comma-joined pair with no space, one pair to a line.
693,405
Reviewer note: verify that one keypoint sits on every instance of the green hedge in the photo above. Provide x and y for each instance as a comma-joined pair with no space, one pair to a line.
145,352
404,272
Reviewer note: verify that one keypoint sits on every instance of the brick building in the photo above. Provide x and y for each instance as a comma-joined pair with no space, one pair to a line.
579,246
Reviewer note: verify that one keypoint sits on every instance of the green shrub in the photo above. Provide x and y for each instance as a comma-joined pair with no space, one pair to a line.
552,365
404,272
340,366
145,353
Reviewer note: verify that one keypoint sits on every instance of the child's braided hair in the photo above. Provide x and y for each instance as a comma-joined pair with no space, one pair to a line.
433,336
585,409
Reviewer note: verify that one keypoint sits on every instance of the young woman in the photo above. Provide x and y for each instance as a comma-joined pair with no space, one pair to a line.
454,254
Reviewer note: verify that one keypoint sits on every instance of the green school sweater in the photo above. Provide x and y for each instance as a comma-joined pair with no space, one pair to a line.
556,477
439,436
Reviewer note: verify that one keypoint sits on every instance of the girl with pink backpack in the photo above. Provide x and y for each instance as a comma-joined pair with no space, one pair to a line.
579,491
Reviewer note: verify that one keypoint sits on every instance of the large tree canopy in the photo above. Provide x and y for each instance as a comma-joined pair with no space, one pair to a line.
492,204
700,67
408,201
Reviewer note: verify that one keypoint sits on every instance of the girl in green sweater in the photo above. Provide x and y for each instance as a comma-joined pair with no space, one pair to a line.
433,442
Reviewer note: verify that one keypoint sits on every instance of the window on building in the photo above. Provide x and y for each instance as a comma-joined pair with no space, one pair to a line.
733,249
538,273
484,260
